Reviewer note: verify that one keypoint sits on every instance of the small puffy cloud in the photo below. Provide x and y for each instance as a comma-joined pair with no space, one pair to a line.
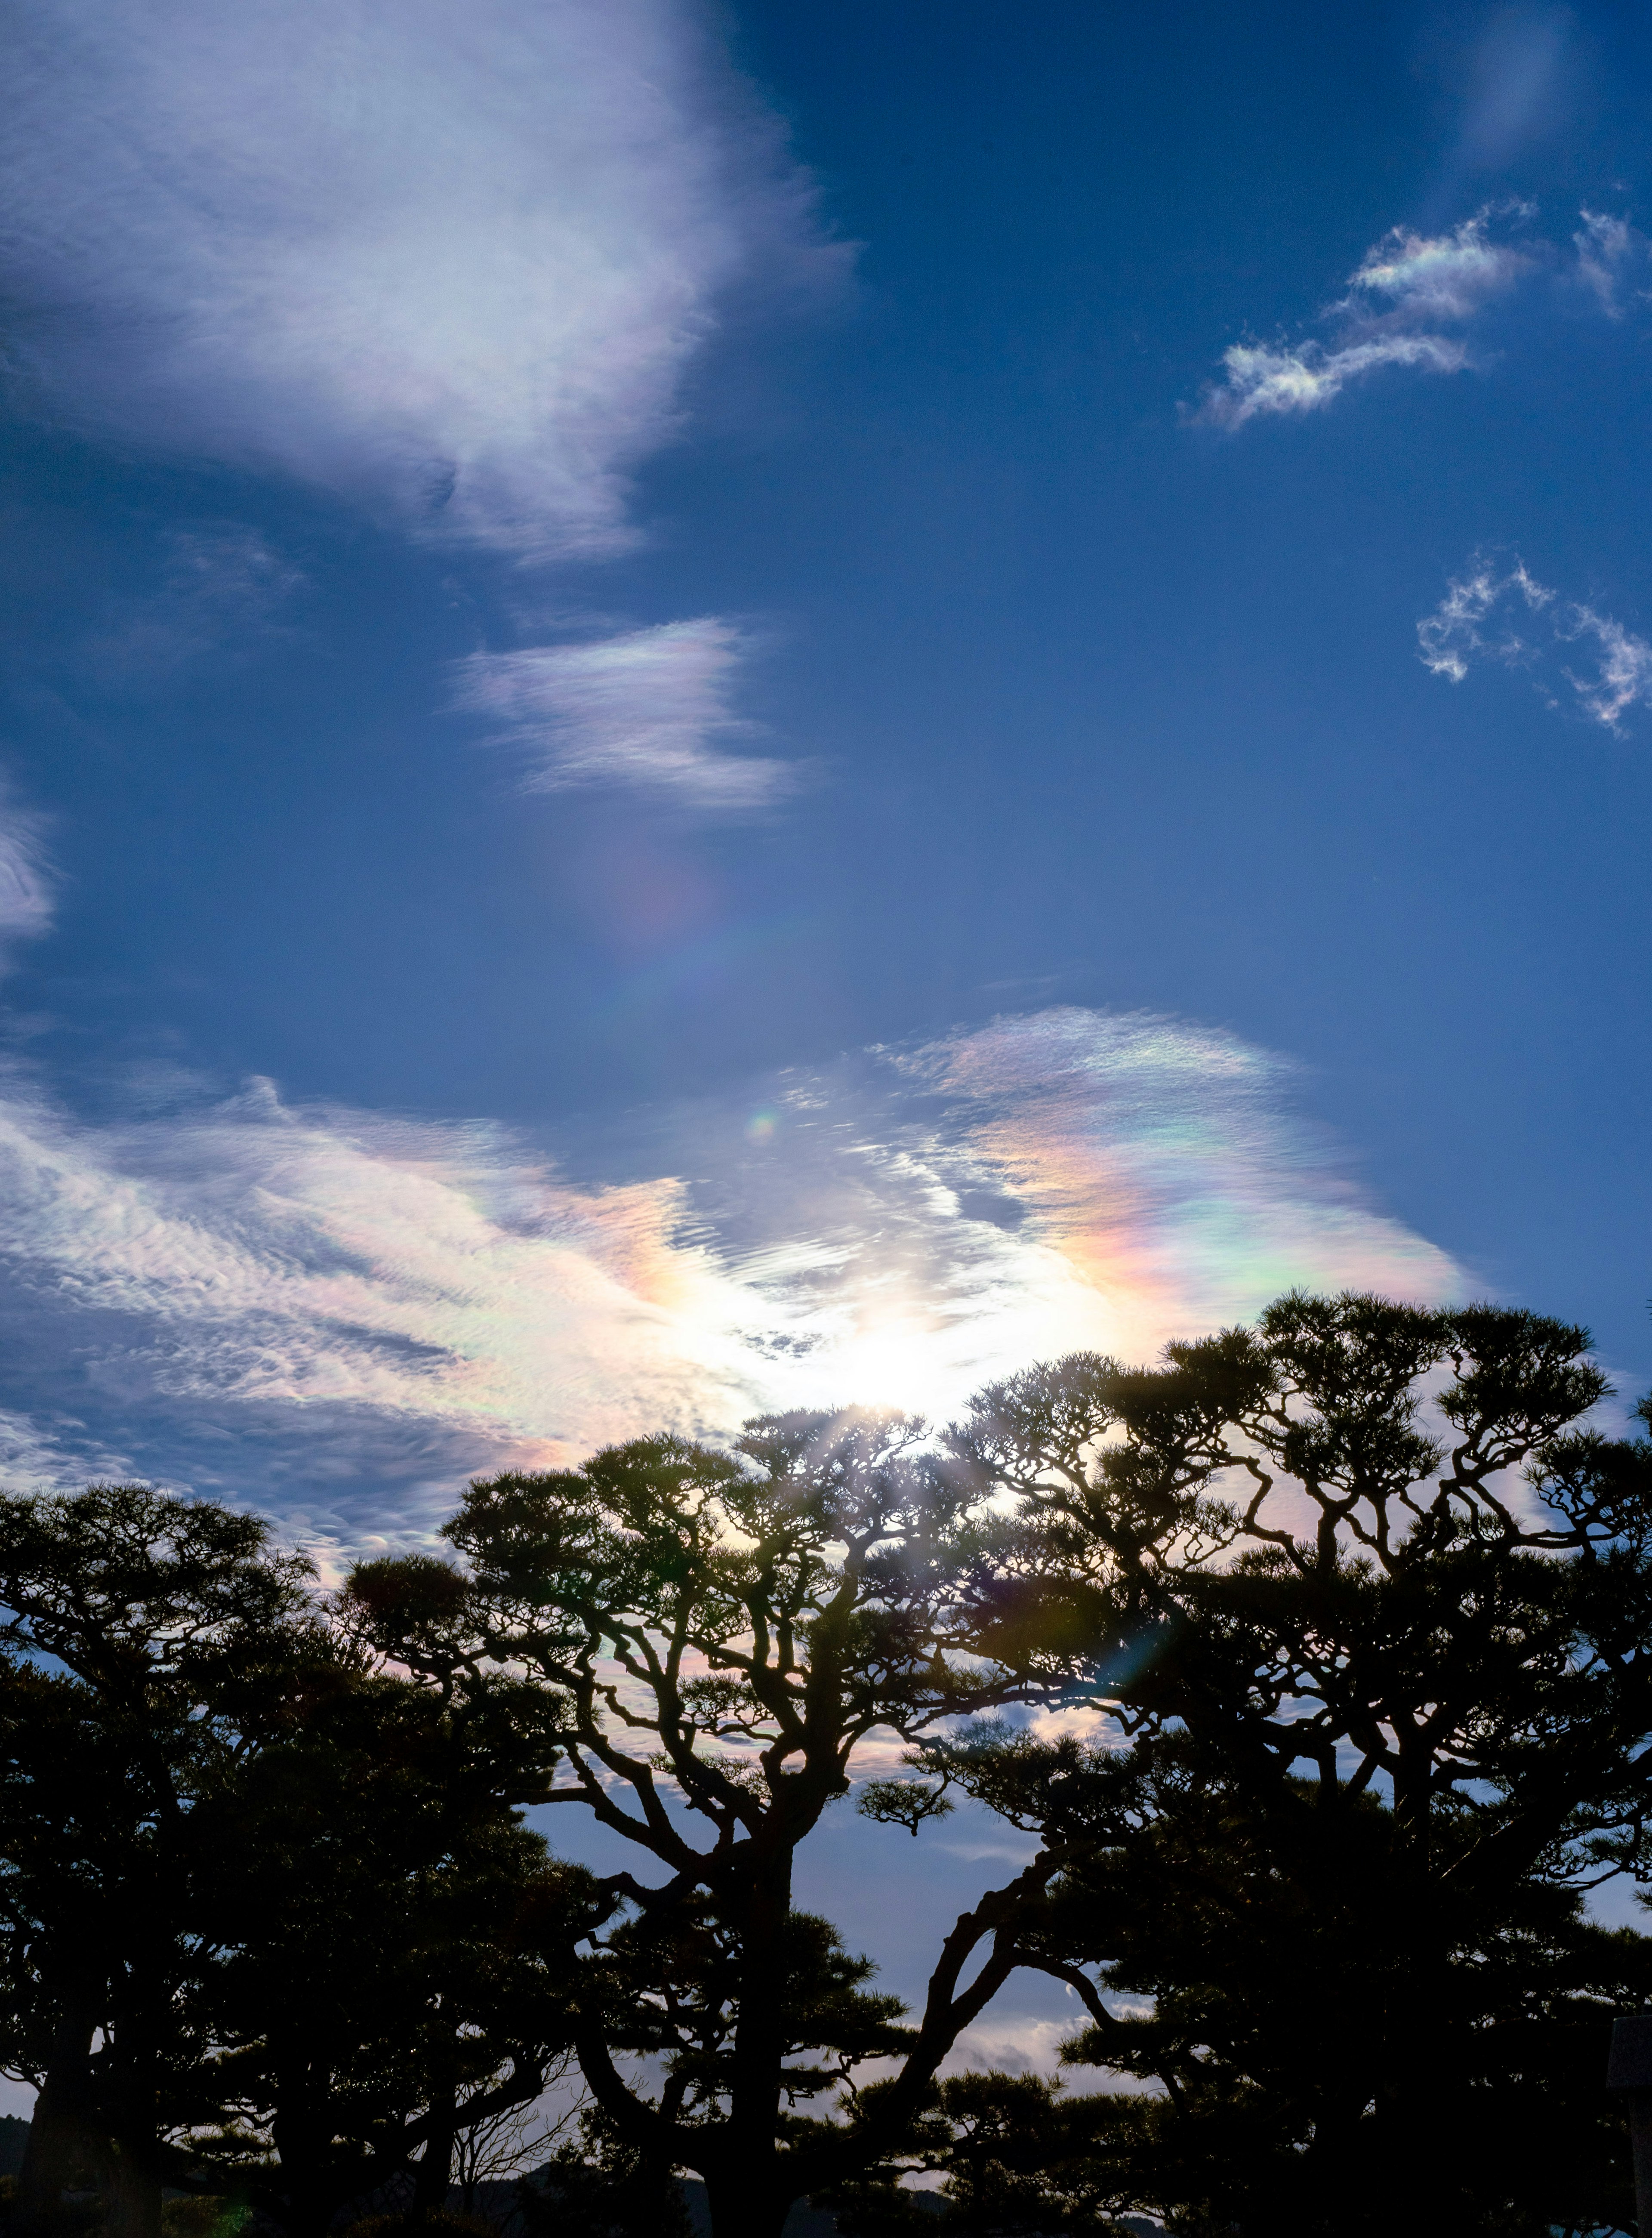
647,711
1013,2042
1411,302
1307,376
1621,674
1496,611
449,261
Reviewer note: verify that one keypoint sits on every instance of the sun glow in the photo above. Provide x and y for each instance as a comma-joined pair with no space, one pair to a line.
898,1233
893,1359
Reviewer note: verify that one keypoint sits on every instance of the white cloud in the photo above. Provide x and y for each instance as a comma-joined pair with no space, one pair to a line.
1307,376
323,1258
33,1458
1623,673
1447,276
1409,303
340,1315
1030,2043
1406,289
1456,632
449,260
644,710
1013,2042
1476,621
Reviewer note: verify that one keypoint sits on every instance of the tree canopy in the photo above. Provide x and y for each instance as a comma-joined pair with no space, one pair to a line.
267,1924
721,1632
1337,1629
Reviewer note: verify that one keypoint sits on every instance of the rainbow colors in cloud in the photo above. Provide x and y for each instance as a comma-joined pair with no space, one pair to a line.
340,1315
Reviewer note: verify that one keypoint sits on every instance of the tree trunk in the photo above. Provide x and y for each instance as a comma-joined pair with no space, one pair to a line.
131,2196
749,2182
131,2067
743,2209
301,2140
1411,2114
432,2172
63,2147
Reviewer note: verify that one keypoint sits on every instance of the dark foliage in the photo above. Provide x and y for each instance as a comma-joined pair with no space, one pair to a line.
601,2188
269,1929
717,1635
1350,1616
1378,1721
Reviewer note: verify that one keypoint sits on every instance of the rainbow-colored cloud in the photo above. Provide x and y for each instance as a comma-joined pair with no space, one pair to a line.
340,1315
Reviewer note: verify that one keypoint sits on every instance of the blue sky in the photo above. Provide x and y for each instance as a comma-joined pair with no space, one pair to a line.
706,707
714,707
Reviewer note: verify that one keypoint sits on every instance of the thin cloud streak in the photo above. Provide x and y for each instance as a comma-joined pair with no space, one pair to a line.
1307,377
340,1314
449,263
644,710
27,901
1498,612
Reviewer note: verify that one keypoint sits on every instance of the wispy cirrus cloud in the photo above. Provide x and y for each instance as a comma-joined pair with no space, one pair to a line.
1475,620
340,1314
650,710
1412,301
1608,251
1496,611
27,901
238,1282
449,262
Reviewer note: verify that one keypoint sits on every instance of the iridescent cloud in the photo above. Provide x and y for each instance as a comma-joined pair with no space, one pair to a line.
340,1315
1413,301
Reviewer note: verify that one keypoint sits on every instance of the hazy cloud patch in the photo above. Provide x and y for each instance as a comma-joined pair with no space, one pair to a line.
221,587
1515,74
1609,250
